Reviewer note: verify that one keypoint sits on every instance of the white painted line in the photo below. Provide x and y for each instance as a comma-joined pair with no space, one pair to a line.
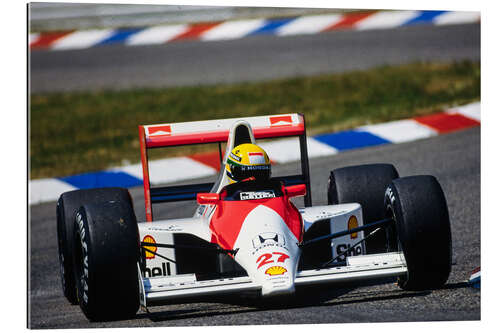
384,20
399,131
475,275
232,29
308,24
33,37
43,190
169,170
457,18
156,35
177,168
288,150
82,39
472,111
134,170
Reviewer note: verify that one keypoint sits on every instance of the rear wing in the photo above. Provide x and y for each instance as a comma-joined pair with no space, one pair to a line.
216,131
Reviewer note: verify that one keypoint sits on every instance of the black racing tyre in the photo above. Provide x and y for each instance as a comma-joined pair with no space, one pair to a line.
366,185
106,255
67,205
418,206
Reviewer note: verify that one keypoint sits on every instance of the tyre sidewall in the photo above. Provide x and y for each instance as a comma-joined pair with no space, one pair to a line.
65,244
419,209
83,244
107,237
67,206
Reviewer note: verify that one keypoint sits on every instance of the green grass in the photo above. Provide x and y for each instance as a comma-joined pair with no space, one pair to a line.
80,132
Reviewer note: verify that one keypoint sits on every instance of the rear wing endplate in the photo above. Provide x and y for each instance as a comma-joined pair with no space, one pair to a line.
216,131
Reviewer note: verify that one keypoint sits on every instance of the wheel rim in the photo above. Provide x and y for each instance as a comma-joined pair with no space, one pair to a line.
78,257
62,271
390,214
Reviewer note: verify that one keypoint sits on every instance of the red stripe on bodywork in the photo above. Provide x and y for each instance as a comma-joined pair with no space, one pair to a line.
45,40
221,136
211,159
290,214
446,122
229,216
145,175
195,30
348,21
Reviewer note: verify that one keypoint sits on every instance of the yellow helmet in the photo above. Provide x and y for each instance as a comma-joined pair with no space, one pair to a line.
248,160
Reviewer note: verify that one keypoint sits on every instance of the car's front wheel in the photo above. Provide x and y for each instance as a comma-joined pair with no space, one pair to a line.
67,205
106,253
418,206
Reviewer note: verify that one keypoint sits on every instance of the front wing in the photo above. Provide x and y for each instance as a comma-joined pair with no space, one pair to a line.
160,290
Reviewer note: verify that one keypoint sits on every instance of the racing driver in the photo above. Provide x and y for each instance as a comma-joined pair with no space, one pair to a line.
246,162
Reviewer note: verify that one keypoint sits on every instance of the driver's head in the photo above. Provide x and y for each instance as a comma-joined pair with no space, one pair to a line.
248,160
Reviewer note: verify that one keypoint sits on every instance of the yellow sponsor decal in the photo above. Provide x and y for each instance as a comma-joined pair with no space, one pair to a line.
149,239
351,224
275,270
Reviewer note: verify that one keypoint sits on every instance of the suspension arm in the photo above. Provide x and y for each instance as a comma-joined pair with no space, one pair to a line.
346,232
170,246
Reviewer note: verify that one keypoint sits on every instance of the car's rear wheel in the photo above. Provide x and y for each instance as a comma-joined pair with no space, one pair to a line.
106,256
366,185
67,205
418,206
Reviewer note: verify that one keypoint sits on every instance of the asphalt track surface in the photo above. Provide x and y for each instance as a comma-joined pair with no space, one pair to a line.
453,158
248,59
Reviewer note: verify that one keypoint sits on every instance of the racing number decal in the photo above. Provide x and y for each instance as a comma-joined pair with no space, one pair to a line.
282,257
266,258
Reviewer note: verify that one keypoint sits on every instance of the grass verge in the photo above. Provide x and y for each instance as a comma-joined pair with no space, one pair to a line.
79,132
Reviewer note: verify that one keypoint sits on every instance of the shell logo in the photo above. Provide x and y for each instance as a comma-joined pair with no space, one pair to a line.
149,239
351,224
276,270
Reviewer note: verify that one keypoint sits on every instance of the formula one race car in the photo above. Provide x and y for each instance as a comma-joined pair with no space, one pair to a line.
248,236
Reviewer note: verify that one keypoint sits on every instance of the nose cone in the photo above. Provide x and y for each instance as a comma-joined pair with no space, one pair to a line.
276,280
268,251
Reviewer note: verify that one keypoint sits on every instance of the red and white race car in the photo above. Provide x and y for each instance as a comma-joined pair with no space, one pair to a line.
248,236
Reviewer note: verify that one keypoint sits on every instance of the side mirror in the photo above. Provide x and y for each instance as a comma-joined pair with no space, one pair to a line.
207,198
295,190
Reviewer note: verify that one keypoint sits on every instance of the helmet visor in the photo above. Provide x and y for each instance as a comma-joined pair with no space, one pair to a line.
260,172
